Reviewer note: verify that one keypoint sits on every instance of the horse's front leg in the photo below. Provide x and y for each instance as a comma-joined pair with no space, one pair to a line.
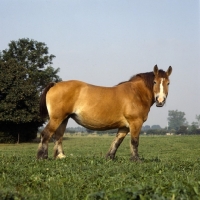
134,149
116,143
135,131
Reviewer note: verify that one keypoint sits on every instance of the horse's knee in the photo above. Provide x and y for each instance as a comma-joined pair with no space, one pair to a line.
45,135
135,141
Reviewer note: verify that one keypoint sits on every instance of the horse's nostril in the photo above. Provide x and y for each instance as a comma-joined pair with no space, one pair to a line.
160,99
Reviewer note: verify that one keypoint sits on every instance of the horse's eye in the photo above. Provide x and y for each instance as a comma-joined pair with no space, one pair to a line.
168,83
154,82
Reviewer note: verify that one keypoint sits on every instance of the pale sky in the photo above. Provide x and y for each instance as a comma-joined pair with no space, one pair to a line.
106,42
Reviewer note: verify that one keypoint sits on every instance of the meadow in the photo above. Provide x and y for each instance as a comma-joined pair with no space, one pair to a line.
170,169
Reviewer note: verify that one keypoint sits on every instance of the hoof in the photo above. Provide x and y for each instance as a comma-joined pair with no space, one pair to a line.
42,155
60,156
42,152
110,156
135,159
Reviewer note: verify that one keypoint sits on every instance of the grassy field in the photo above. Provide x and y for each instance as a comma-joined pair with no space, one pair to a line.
170,170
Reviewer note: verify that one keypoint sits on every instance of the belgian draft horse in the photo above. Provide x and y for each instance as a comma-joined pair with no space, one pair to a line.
124,106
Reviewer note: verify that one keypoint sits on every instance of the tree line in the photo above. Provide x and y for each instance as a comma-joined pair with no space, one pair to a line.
177,124
89,131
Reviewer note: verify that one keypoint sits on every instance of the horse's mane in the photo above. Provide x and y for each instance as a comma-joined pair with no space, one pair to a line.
147,77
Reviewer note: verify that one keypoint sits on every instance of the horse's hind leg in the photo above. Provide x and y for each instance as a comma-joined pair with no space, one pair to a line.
45,136
58,150
122,132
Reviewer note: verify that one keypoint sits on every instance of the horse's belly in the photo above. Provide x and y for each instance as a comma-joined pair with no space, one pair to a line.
99,122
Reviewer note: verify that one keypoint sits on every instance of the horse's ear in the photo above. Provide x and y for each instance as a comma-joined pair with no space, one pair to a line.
169,71
155,70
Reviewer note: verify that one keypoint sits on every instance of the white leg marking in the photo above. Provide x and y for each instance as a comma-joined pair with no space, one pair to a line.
60,156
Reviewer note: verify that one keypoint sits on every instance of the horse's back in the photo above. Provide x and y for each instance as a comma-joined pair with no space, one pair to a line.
80,90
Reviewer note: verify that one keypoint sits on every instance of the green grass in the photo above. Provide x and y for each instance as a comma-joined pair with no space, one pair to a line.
170,170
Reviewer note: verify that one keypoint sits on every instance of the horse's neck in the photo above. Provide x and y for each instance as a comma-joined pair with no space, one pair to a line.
145,92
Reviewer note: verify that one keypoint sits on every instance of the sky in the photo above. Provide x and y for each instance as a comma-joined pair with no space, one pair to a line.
106,42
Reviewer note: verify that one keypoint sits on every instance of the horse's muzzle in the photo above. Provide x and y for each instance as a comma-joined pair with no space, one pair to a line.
160,103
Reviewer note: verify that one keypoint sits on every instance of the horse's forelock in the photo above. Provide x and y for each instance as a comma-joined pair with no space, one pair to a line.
162,74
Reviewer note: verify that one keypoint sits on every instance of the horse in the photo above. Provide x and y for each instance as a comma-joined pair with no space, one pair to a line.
124,107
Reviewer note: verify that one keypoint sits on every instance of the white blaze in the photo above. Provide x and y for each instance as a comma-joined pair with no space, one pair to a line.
161,95
161,86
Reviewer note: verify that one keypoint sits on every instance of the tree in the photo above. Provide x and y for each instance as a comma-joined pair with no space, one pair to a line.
33,56
25,69
192,129
146,127
182,130
176,119
198,120
155,127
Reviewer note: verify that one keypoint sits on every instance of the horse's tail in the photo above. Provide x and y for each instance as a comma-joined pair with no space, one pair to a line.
43,105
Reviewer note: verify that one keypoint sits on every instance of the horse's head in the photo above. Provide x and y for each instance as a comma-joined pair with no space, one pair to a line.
161,83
